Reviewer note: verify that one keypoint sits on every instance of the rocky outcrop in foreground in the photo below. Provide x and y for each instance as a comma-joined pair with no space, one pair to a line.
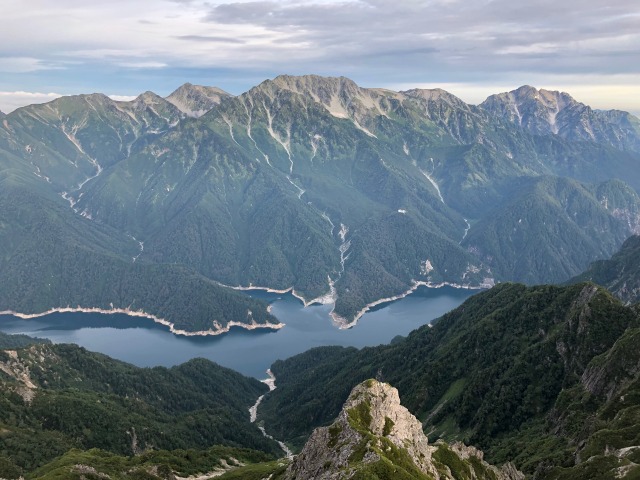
376,437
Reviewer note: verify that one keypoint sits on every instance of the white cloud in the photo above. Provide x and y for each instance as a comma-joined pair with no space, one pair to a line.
480,44
138,34
9,101
122,98
23,65
142,64
534,48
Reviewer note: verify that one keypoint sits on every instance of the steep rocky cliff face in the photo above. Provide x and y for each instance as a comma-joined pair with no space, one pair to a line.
376,437
196,100
620,274
601,414
545,112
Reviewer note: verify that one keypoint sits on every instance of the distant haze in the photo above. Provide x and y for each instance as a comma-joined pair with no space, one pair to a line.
598,97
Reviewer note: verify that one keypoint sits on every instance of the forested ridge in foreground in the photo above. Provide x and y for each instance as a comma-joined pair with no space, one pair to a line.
543,376
56,398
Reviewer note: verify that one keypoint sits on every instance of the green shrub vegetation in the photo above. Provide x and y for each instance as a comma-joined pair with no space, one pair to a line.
18,341
156,465
509,371
89,401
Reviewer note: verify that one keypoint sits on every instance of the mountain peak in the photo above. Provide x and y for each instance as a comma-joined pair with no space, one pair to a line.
196,100
544,112
340,96
530,93
375,433
540,111
435,95
383,402
311,81
550,98
148,98
325,90
526,90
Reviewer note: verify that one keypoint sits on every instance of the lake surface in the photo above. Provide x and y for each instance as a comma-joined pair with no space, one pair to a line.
146,343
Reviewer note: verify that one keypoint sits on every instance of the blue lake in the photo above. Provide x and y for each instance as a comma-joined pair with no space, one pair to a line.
145,343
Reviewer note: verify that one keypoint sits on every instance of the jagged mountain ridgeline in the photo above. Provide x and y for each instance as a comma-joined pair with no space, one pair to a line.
345,195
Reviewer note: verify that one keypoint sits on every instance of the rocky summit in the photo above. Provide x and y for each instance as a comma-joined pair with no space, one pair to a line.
376,437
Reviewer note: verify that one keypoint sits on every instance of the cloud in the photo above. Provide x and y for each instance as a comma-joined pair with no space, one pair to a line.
142,64
24,65
403,38
9,101
210,38
122,98
376,42
494,36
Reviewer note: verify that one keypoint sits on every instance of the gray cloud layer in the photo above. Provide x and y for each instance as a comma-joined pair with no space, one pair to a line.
377,42
472,36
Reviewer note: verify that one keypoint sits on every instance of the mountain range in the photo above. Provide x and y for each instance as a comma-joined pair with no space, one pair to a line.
342,194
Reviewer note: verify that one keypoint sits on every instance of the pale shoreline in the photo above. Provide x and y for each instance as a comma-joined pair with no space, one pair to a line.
326,299
331,297
343,324
219,330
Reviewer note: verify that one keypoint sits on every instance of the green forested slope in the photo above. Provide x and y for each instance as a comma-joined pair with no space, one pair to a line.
50,258
155,465
552,228
497,372
309,182
19,341
55,398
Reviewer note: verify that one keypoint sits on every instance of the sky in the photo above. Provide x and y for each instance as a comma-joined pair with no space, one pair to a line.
472,48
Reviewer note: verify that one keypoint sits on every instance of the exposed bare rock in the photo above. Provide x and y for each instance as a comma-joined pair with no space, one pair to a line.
375,434
544,112
616,369
12,365
196,100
